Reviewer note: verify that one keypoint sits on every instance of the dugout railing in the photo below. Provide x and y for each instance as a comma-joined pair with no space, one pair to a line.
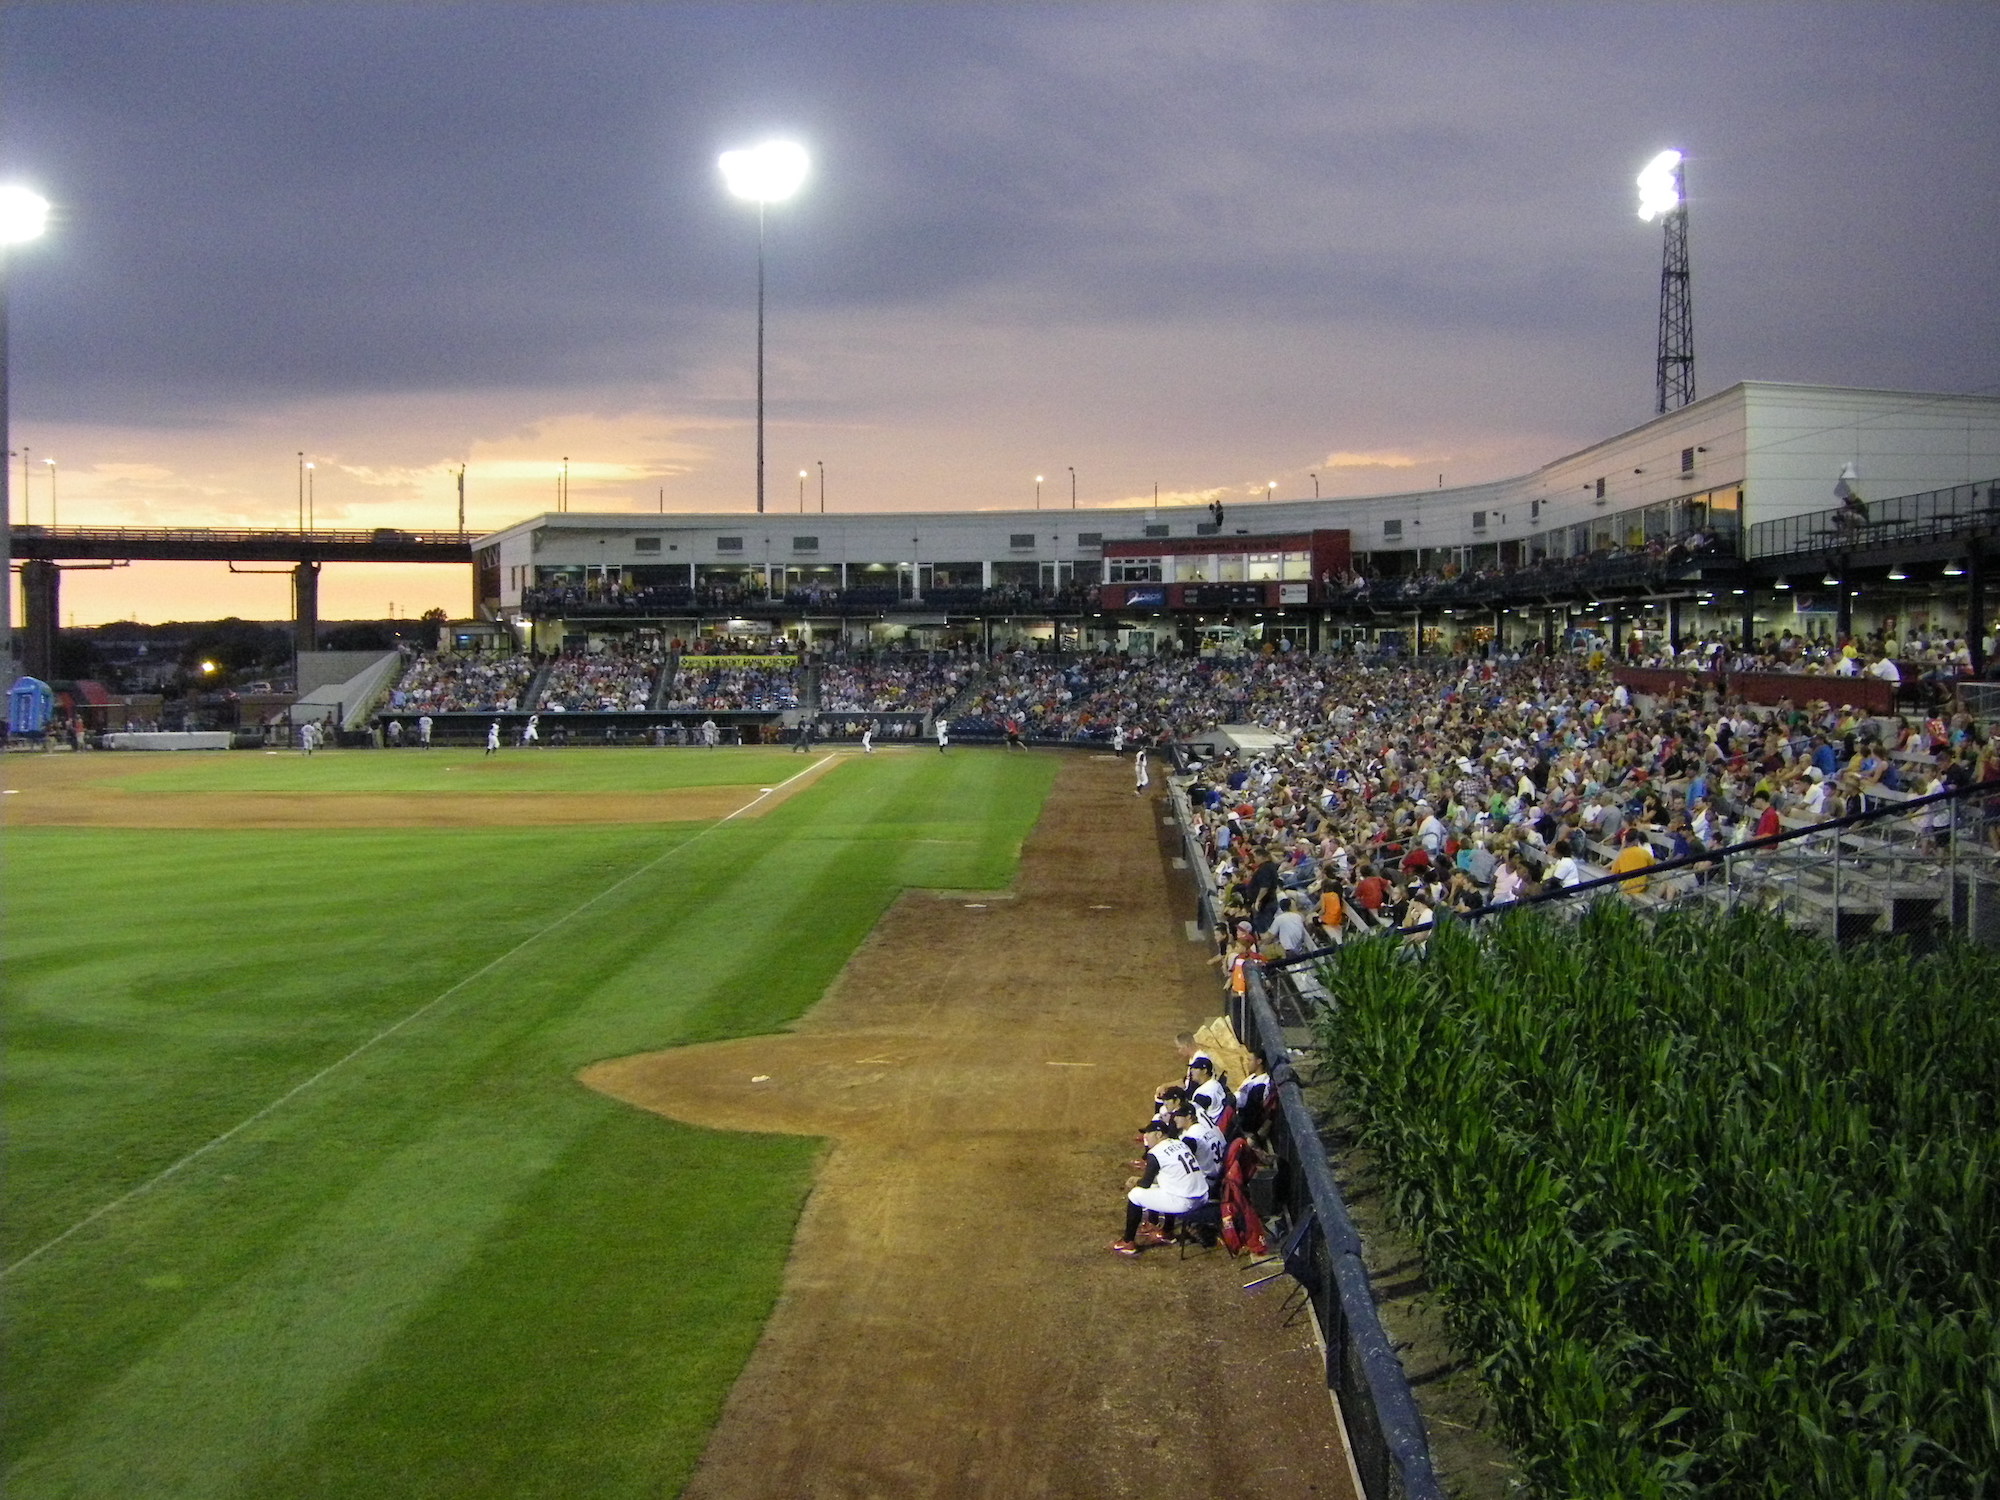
1320,1248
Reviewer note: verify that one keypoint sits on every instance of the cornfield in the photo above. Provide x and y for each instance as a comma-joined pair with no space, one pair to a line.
1714,1206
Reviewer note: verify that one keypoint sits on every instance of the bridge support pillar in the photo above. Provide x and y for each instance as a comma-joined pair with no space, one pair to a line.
305,607
41,608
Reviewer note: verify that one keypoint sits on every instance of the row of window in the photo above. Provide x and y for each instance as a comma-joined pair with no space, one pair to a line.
1019,541
1212,567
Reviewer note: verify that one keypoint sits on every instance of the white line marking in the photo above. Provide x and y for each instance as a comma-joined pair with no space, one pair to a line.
383,1035
1070,1065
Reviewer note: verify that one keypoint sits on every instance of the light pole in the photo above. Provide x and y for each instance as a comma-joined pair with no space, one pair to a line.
1270,489
1072,486
822,484
1038,492
55,516
24,215
802,492
764,174
312,518
1315,480
27,488
302,489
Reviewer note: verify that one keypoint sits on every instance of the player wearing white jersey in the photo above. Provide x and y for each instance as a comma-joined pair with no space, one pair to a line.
1203,1139
1170,1184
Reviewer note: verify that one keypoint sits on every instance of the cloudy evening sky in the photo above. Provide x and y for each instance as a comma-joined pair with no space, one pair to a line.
1197,246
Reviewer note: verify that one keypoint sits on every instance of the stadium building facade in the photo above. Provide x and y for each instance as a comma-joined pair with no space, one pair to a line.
1723,516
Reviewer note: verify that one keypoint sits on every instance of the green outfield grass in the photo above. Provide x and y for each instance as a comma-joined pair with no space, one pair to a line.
444,1268
460,771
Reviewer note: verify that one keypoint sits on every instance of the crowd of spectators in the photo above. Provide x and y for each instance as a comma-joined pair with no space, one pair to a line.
461,684
1602,567
1884,654
584,684
914,684
755,689
723,644
1412,790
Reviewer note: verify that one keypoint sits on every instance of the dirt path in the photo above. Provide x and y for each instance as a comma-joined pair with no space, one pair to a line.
952,1323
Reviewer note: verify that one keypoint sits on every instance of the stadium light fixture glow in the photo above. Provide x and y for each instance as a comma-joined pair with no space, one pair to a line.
1659,186
764,174
769,173
24,214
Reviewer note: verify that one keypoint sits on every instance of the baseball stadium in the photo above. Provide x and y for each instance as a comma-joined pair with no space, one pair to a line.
686,1033
1473,991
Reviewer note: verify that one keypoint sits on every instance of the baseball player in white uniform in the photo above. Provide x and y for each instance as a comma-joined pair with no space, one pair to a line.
424,730
1170,1184
868,738
493,738
1145,777
943,733
1203,1139
1209,1096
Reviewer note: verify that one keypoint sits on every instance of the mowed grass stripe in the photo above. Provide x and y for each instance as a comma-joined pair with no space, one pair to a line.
464,772
450,1269
382,1035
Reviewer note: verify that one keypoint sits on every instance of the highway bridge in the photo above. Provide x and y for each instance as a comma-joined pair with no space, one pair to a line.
44,550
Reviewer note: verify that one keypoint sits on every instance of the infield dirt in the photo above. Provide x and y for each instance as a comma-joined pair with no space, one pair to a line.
953,1322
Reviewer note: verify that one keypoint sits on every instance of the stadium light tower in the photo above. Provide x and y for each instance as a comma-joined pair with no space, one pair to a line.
24,216
1663,196
764,174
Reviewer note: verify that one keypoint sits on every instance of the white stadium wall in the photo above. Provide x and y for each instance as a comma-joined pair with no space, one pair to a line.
1784,445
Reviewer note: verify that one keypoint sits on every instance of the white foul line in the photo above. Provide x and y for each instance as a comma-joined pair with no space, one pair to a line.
388,1031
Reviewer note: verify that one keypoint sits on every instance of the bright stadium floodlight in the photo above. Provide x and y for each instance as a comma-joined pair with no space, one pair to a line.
769,173
764,174
1660,186
24,215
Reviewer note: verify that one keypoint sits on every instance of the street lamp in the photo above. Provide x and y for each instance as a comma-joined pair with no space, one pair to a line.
1072,486
1270,489
1315,480
54,515
802,492
24,216
302,489
1038,492
764,174
822,484
312,519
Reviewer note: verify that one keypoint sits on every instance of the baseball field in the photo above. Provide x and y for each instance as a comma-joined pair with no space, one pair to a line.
303,1195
